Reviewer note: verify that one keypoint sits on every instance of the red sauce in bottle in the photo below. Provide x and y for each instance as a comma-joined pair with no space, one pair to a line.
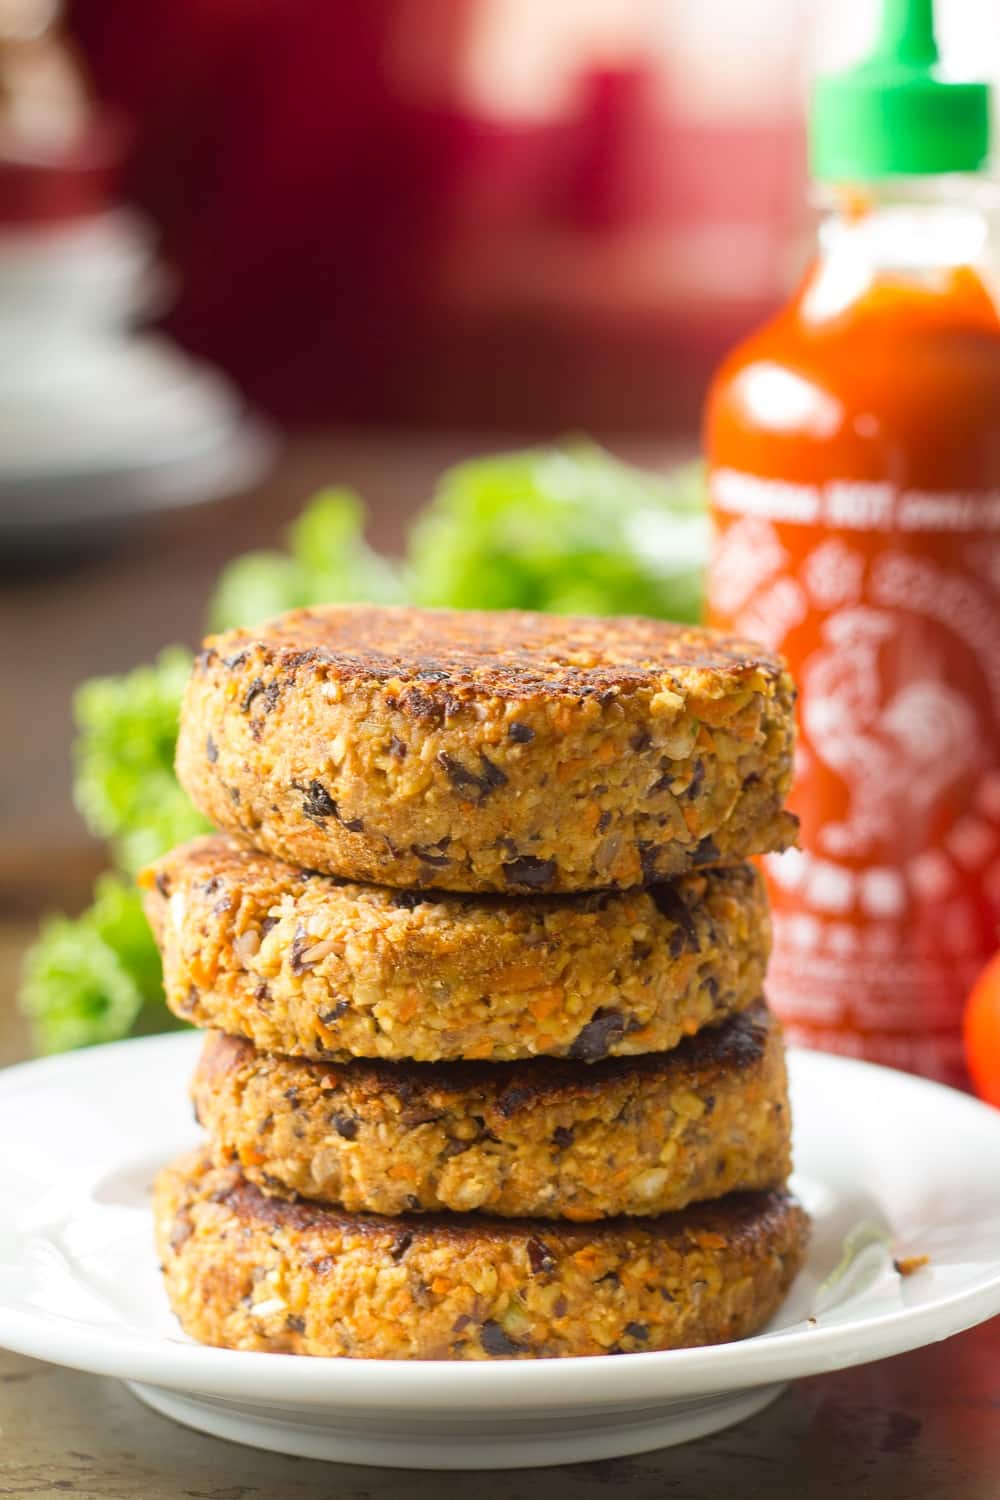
854,451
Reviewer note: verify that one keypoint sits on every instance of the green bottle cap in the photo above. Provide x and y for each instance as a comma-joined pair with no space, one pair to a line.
894,114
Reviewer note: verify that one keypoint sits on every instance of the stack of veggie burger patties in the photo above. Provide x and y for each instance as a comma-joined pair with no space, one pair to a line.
489,1072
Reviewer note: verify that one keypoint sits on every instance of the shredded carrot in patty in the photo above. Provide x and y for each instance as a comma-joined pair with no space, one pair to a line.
544,1004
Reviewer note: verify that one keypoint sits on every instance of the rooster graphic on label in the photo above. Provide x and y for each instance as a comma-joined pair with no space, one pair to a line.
894,757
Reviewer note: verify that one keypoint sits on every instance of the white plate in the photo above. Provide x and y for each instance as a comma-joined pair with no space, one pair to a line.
887,1164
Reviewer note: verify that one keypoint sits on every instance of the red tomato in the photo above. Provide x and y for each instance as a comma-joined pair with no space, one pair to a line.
982,1033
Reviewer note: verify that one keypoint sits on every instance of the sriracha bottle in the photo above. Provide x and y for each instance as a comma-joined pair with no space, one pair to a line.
854,459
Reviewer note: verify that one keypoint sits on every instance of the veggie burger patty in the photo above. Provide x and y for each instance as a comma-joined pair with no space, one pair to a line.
490,751
548,1137
246,1271
304,964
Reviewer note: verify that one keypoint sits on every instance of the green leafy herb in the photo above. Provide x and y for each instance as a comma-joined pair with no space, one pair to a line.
95,978
328,561
125,785
563,529
98,977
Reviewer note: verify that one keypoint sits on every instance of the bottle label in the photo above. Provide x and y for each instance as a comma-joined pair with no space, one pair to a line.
886,603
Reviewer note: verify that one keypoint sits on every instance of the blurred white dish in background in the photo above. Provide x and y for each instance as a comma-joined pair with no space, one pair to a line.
99,422
98,403
887,1164
94,272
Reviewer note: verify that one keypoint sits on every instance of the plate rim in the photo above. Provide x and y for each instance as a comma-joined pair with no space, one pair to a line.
564,1384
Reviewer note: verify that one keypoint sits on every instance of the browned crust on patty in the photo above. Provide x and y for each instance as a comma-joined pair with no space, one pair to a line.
508,654
556,1139
474,751
303,964
251,1272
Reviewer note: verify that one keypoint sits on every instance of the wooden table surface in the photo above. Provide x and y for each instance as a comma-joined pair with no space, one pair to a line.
924,1426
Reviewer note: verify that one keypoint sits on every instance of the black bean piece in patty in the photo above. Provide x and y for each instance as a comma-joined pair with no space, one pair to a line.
598,1036
534,874
495,1341
671,904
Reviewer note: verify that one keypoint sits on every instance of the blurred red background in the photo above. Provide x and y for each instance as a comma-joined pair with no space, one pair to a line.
461,211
